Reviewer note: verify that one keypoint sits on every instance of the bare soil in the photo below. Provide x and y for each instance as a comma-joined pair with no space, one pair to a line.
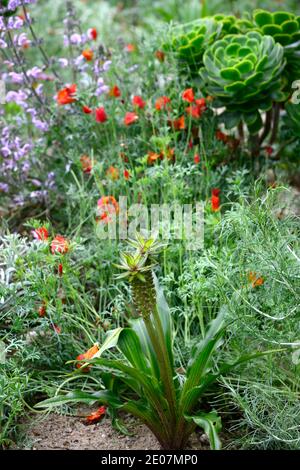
60,432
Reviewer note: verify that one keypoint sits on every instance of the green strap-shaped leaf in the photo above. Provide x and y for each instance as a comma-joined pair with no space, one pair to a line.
211,423
104,397
111,341
130,346
165,316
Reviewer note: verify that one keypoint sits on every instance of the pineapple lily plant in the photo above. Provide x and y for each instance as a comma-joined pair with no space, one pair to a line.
144,381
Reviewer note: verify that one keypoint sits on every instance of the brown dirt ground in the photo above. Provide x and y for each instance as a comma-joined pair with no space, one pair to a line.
60,432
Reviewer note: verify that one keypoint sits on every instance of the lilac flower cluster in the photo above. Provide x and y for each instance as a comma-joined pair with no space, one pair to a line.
12,5
14,164
31,91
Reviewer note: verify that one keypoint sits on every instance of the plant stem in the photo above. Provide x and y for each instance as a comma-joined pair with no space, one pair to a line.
164,368
276,116
267,127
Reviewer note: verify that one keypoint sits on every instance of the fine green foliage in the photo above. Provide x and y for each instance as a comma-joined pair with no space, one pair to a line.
293,118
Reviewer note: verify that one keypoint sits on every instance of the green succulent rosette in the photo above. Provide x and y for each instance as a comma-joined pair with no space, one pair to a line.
284,27
244,74
292,118
233,25
189,41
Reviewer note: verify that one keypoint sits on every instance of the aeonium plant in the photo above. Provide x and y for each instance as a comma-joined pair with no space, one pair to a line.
148,385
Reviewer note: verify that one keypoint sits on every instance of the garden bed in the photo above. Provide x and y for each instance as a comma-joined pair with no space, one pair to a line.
61,432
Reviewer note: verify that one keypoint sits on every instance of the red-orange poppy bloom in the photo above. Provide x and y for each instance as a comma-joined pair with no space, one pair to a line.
126,174
100,115
86,164
96,416
197,109
86,110
41,234
113,173
115,91
255,280
67,95
60,269
43,309
160,55
179,123
130,47
107,208
188,95
130,118
89,354
92,34
138,102
162,102
88,54
59,245
196,158
153,157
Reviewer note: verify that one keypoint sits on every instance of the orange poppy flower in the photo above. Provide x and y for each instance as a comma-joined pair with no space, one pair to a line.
113,173
130,47
196,110
89,354
115,91
215,199
138,102
255,280
161,103
196,158
86,110
96,415
60,269
153,157
179,124
188,95
100,115
107,208
41,234
215,203
130,118
42,310
88,54
160,55
92,34
86,164
66,95
59,245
